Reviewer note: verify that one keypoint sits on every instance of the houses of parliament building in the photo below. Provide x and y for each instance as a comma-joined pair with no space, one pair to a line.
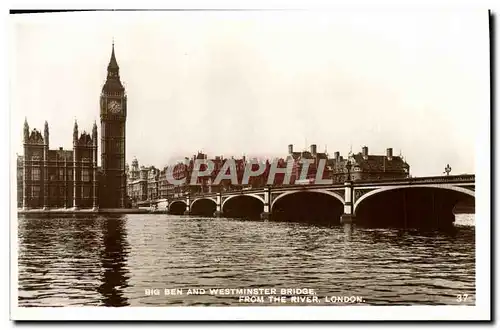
71,178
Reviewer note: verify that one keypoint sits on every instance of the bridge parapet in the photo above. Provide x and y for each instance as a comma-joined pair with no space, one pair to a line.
419,180
445,178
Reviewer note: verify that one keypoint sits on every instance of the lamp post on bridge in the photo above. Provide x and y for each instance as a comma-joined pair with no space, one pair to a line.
447,169
347,219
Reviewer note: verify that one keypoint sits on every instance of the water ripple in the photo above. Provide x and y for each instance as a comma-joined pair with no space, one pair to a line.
111,261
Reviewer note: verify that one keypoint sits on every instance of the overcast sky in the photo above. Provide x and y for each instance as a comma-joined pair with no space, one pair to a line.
234,83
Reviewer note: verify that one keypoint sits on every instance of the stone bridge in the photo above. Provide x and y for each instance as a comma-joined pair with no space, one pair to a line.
411,202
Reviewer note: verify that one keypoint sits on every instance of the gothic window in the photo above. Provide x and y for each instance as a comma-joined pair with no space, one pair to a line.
35,174
86,192
70,174
85,175
35,191
61,192
61,174
53,192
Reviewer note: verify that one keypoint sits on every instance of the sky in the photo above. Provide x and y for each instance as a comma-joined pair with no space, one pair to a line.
250,83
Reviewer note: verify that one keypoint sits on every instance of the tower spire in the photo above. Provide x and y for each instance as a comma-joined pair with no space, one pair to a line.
113,83
112,62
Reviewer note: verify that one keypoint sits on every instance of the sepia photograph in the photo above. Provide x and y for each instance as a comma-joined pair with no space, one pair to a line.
250,164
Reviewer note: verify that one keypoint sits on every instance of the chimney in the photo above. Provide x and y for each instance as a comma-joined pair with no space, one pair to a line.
313,149
290,149
60,148
336,155
365,152
389,153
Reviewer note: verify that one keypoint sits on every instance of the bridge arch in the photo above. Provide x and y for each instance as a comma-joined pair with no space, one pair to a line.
384,189
203,206
177,207
428,206
203,198
317,206
326,192
243,206
240,195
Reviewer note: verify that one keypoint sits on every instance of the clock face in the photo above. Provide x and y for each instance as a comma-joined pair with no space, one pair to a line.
114,106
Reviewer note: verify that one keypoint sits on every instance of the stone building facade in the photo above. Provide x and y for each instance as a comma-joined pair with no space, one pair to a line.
57,178
364,166
137,183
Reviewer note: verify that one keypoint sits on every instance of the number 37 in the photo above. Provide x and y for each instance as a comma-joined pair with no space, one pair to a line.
462,297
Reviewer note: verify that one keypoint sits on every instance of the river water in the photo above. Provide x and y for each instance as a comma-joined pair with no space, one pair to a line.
130,260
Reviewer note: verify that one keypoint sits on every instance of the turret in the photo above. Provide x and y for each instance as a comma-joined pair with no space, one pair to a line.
46,133
94,134
26,130
75,133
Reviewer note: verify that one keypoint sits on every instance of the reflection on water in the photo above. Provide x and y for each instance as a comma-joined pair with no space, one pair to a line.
112,261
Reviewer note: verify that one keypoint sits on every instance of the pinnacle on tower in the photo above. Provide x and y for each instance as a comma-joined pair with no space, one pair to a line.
26,130
94,134
46,132
75,132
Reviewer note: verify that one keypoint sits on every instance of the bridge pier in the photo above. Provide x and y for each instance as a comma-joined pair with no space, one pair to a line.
266,215
347,219
188,206
218,208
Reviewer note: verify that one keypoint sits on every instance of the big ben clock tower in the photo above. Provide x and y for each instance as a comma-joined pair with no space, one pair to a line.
113,187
